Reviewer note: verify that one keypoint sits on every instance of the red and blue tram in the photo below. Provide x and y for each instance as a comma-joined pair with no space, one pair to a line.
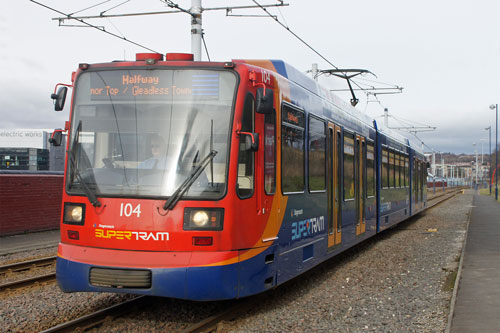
209,181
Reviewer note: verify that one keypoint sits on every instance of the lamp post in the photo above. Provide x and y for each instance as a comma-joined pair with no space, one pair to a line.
475,152
495,107
489,173
481,173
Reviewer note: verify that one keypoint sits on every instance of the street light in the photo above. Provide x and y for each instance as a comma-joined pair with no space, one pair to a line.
489,173
475,152
495,107
482,161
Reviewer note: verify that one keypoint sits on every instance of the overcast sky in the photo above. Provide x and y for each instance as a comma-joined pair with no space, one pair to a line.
445,54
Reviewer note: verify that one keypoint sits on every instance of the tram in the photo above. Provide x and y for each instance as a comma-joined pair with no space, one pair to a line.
219,180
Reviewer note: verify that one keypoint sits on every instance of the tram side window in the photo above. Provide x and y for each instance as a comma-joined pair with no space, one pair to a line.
370,170
292,150
397,166
421,170
425,174
349,167
385,168
317,152
403,171
270,153
415,176
391,169
419,176
407,171
245,183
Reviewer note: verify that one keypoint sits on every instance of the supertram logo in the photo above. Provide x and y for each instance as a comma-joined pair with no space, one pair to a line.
131,235
305,228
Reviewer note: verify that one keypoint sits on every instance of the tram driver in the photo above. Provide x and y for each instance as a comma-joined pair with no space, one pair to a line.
158,158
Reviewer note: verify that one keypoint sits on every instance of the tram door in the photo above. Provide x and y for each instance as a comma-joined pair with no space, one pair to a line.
334,215
360,151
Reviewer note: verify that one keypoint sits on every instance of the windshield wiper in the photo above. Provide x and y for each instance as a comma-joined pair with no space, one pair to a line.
88,192
174,198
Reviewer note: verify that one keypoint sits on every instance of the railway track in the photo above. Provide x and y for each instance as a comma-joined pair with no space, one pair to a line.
97,318
24,266
206,325
437,199
210,323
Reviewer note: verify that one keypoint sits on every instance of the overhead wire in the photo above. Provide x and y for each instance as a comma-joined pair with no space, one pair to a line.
378,82
303,41
412,121
282,16
115,27
93,6
102,29
294,34
107,10
205,45
172,4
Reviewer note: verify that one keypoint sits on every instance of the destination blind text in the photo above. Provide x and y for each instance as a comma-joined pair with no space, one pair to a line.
138,85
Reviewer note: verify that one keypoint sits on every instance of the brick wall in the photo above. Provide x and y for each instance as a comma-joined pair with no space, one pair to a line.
29,202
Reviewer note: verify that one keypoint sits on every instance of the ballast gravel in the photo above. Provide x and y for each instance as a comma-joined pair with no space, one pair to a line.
399,281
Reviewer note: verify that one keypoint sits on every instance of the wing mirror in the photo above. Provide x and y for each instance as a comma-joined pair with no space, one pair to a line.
251,140
59,98
56,138
264,101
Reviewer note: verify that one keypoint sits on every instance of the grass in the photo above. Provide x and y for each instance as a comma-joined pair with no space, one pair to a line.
449,283
486,191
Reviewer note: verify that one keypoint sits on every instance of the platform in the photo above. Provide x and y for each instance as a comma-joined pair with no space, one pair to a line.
477,304
28,241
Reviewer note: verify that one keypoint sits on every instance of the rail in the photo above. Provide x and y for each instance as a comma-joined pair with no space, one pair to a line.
208,324
27,282
24,266
98,317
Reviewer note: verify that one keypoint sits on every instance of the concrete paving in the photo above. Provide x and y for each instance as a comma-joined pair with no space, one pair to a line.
477,306
29,241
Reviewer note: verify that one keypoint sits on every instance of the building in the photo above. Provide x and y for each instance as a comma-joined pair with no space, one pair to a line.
29,149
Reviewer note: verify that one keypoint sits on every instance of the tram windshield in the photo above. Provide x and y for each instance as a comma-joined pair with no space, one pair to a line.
143,132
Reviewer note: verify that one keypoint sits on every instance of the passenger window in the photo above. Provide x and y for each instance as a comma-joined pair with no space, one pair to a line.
370,170
391,169
317,158
270,153
349,167
425,174
245,184
407,171
385,168
292,150
401,171
415,176
397,168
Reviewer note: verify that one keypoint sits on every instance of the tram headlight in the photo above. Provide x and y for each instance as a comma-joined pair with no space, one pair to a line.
74,213
200,218
203,218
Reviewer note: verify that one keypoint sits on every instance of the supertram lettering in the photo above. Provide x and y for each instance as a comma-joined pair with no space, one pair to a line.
131,235
118,234
155,236
305,228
